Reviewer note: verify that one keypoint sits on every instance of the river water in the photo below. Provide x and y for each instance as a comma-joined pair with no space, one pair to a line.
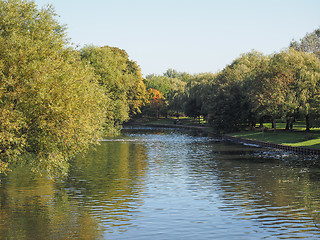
167,184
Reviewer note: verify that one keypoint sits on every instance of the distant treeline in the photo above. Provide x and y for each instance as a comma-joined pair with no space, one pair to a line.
253,89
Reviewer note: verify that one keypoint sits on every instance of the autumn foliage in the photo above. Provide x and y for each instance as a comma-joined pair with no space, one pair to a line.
156,103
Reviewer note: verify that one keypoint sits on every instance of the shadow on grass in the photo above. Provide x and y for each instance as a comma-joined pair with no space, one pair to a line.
295,138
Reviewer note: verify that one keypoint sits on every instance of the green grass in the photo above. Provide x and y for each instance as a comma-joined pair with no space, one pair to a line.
295,138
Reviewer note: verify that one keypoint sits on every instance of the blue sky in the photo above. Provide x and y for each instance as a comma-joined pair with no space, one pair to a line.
191,36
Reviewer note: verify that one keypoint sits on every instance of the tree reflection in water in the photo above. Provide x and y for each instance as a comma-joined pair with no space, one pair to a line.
83,205
276,190
166,184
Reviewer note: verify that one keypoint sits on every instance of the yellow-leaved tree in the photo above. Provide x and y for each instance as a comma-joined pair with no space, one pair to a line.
121,79
51,105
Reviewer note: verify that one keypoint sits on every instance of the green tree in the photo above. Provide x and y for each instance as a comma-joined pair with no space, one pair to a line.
120,78
309,43
303,93
51,106
197,94
289,86
172,89
229,106
161,83
172,73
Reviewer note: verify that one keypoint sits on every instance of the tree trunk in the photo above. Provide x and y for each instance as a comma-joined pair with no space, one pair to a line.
261,122
274,125
288,124
307,123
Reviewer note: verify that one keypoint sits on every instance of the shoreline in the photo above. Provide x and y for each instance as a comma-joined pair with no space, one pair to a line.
299,150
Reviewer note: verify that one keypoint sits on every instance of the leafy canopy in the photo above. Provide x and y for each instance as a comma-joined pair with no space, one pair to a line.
51,106
120,78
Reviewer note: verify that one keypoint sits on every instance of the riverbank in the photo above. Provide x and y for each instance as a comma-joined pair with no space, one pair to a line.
296,141
187,123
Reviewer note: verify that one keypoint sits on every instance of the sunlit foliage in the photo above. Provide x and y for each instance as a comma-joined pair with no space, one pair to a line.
309,43
51,106
120,78
171,87
255,87
156,104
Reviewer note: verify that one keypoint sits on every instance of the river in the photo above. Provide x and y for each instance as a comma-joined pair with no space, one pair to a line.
155,184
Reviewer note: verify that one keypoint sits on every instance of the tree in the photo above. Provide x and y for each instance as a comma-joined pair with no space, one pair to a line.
266,90
172,73
197,95
230,106
51,106
309,43
171,88
120,78
290,85
305,87
156,103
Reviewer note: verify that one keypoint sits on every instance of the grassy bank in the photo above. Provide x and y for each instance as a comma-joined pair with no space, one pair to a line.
297,138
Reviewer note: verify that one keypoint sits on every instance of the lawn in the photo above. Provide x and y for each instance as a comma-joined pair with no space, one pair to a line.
297,138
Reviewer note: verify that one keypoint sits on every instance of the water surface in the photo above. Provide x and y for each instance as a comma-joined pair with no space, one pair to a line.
167,184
